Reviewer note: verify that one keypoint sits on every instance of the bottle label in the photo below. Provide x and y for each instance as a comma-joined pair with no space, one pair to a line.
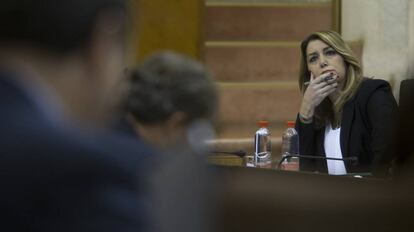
289,166
264,164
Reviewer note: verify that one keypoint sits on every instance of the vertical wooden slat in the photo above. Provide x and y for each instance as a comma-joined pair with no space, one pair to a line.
168,25
337,16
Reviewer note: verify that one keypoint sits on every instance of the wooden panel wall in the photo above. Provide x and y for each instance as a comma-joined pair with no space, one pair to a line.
166,24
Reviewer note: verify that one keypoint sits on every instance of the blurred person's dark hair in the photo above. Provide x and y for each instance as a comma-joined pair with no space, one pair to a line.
171,103
52,25
166,83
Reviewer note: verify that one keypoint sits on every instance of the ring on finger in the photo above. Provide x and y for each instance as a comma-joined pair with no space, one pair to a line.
328,78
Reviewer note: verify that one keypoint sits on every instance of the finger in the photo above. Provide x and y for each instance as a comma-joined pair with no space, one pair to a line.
331,79
322,77
320,85
330,91
332,83
327,88
325,94
312,77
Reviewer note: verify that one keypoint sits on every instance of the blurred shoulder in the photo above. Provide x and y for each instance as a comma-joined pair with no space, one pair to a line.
108,149
47,151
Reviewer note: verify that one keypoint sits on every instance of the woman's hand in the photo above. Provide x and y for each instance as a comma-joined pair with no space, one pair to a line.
318,89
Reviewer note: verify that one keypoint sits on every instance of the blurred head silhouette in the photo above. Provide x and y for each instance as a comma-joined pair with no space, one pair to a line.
172,99
73,48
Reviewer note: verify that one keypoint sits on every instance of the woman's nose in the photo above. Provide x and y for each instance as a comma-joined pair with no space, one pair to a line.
323,63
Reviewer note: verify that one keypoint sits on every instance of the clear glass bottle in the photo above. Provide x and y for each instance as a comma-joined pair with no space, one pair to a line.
290,146
262,146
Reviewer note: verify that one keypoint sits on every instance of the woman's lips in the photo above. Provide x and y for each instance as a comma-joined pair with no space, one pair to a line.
329,71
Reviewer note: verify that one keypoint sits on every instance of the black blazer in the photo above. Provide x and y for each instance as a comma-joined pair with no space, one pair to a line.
368,121
55,177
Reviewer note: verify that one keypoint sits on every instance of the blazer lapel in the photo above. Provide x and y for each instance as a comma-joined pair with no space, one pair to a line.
347,121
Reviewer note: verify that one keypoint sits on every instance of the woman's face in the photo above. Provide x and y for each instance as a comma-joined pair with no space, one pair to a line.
321,58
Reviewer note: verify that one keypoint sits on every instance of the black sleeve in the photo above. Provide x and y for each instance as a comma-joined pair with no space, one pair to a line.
382,114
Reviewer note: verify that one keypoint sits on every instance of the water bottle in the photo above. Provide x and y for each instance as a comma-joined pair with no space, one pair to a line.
262,146
290,146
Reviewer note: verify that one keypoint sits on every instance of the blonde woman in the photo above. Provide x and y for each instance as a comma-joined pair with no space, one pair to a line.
342,114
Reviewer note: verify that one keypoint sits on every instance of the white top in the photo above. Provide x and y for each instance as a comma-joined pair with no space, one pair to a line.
333,149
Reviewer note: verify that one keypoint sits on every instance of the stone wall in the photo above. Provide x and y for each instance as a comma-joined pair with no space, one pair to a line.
385,28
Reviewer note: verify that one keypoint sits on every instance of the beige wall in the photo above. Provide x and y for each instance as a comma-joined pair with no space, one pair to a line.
385,28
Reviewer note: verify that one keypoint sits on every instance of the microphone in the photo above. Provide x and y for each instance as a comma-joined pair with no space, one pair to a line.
347,159
239,153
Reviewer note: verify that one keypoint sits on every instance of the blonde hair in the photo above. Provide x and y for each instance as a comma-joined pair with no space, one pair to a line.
328,110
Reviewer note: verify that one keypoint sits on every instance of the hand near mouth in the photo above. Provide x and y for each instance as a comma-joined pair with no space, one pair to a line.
318,89
328,77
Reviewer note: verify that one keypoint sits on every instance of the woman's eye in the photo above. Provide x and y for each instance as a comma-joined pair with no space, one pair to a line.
312,59
330,52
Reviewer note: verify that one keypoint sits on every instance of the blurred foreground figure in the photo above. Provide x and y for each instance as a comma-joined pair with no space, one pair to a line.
171,104
59,62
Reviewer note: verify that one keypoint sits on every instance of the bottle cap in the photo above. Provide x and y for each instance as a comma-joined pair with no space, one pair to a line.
290,124
263,123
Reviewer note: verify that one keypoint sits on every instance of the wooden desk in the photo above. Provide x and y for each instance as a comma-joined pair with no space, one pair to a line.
246,144
264,200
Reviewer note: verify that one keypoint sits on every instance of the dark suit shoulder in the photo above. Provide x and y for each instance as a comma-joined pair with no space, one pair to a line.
368,86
